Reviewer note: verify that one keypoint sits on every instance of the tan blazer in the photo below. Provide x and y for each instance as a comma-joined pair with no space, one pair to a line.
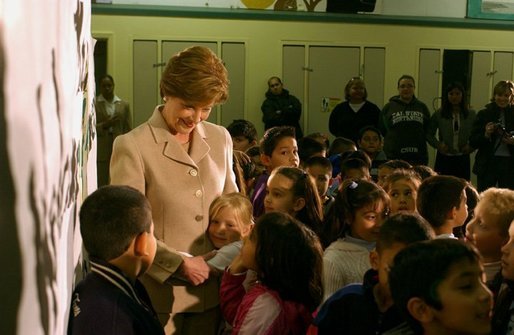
180,188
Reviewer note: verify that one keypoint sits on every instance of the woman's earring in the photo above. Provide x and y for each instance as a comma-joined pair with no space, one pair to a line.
164,99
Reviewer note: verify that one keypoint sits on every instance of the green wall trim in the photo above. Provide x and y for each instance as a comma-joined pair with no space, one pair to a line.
270,15
475,10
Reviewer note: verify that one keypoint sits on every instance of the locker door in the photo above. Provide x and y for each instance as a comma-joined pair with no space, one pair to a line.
169,48
480,80
502,69
331,68
145,85
428,85
428,80
293,74
374,74
233,55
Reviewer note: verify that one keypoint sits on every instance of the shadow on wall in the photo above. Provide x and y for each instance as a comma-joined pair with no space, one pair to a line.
10,290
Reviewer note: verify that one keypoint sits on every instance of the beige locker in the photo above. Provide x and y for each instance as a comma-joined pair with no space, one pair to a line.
429,76
294,74
233,55
145,85
480,93
374,75
502,67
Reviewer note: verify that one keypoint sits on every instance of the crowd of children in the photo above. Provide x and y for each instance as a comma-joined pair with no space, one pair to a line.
344,242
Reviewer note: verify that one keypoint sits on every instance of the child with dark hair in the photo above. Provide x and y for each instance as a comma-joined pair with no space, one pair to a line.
402,187
439,287
255,155
351,230
320,170
355,169
309,147
338,147
442,202
243,133
368,308
244,171
287,257
341,145
290,190
424,171
352,165
278,147
321,138
472,198
371,142
387,168
117,232
359,154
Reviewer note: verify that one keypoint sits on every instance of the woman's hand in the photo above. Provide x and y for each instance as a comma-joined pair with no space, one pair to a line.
508,140
490,128
194,269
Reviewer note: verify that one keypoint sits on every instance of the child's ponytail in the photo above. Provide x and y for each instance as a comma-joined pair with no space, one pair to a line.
352,195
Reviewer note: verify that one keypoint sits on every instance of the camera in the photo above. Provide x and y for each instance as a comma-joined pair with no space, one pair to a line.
500,129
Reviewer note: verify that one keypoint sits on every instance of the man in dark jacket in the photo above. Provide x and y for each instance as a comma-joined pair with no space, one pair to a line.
281,108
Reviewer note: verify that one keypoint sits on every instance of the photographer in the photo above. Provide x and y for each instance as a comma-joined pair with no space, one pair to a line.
492,134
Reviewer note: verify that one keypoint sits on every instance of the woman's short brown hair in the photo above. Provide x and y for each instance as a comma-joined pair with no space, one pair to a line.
502,87
195,75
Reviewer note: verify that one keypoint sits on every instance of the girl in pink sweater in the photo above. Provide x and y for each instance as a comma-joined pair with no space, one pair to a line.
287,257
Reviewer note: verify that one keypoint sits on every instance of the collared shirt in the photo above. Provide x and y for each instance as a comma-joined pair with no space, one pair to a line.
107,302
109,105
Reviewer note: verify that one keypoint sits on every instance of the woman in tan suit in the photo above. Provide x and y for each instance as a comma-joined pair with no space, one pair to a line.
181,163
112,119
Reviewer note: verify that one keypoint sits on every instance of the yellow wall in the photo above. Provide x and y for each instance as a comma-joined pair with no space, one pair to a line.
265,38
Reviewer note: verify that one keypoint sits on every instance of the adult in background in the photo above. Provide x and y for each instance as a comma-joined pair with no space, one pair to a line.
404,122
492,135
281,108
112,119
356,112
181,163
454,121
